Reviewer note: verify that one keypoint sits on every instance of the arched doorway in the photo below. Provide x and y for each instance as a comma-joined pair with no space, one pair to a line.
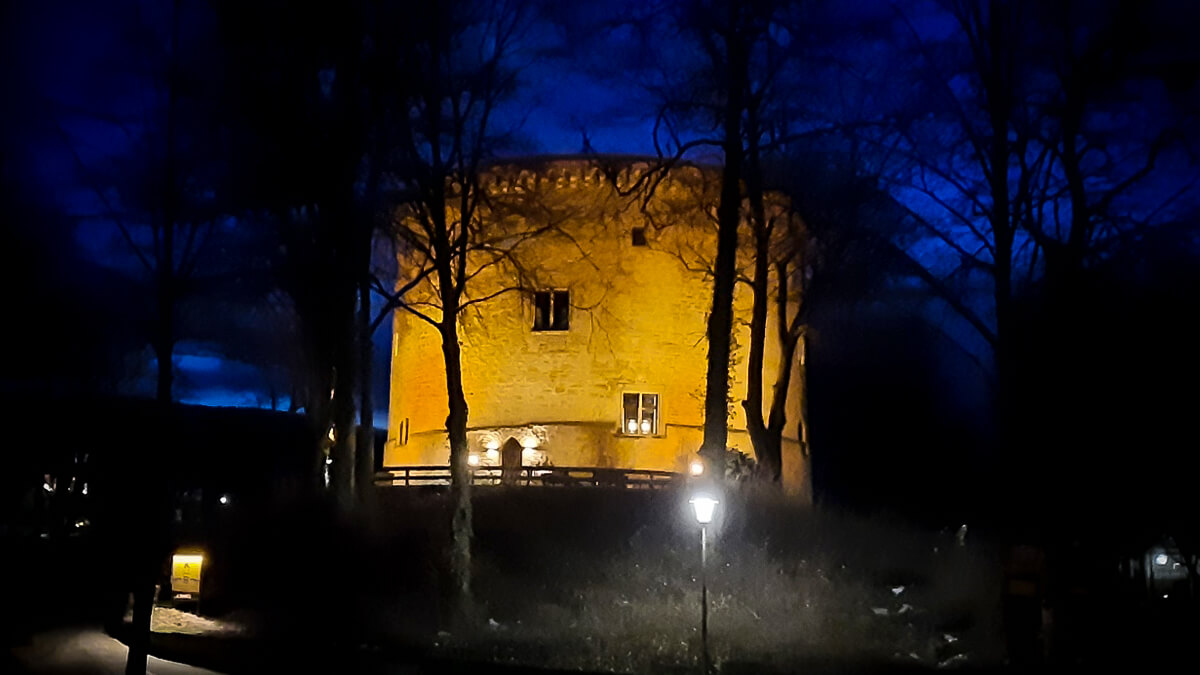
510,462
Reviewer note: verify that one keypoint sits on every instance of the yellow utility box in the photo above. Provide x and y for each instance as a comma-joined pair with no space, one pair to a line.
185,576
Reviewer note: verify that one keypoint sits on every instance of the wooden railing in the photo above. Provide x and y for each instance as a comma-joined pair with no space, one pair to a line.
557,476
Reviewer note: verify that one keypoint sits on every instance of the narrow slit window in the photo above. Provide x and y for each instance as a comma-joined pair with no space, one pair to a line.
561,305
551,310
639,236
541,310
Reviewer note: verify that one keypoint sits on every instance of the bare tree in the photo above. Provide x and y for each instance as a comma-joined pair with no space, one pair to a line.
771,264
317,109
1110,143
462,65
1008,160
962,192
160,190
721,94
777,283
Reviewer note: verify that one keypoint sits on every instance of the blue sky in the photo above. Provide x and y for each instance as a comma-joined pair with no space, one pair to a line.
75,72
71,56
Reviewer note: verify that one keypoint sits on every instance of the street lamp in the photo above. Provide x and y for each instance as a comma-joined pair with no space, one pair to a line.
703,506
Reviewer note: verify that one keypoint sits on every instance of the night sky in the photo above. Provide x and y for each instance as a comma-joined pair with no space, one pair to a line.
76,82
73,101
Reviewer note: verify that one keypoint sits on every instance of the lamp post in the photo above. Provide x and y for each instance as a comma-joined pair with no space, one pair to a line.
703,506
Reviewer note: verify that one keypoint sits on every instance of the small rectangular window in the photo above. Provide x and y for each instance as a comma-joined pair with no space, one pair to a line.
639,236
639,414
551,310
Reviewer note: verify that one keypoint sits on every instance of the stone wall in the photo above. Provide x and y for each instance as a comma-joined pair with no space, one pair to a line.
637,323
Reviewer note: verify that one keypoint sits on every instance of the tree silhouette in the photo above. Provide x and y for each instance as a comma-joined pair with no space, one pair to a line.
461,60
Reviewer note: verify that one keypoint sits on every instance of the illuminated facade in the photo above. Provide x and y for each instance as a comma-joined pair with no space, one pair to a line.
600,360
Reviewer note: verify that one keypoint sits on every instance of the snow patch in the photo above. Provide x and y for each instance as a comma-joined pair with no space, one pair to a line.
171,620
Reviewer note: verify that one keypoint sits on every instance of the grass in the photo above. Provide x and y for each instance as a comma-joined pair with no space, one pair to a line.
608,580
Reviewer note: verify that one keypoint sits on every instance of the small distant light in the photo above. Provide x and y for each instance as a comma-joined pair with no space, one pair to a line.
697,467
645,426
473,459
633,426
224,499
1164,596
47,487
85,488
328,460
1161,559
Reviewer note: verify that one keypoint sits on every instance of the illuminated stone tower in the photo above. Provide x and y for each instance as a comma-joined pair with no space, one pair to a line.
599,360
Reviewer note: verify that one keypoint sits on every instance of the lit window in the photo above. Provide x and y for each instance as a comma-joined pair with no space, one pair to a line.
639,236
551,310
639,414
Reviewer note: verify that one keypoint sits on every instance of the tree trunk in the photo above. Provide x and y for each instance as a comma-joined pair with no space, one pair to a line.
147,554
998,82
720,319
164,351
802,430
341,224
460,471
773,449
139,638
766,442
319,411
148,547
341,475
753,404
144,559
365,457
365,451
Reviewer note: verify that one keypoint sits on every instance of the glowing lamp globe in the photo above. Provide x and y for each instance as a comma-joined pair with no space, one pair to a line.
704,507
697,467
